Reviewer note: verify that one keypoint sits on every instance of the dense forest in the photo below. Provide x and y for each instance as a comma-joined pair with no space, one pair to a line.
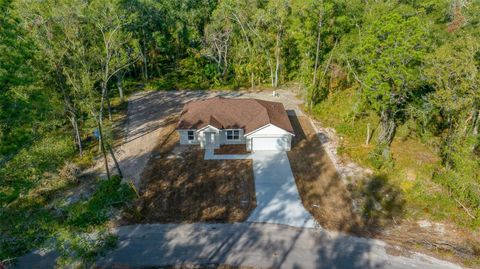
404,67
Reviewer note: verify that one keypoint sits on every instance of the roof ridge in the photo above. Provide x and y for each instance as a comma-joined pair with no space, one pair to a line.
269,119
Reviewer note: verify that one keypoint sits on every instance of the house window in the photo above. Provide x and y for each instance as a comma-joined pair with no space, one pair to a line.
191,135
233,135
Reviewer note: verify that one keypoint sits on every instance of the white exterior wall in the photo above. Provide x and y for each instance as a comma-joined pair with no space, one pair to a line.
184,138
224,141
201,135
270,136
248,143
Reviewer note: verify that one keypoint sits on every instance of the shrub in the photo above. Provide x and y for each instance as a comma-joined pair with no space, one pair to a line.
381,157
81,250
95,211
69,172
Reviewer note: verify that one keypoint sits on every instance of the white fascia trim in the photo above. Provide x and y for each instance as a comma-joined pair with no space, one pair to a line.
258,129
265,126
205,127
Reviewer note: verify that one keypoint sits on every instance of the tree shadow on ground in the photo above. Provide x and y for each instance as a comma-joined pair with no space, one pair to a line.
239,245
364,209
380,202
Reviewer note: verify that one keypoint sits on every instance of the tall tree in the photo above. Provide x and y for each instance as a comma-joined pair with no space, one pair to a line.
115,49
217,41
55,29
316,27
23,103
453,70
388,58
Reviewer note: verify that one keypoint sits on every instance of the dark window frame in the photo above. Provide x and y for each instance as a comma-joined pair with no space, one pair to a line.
191,135
233,134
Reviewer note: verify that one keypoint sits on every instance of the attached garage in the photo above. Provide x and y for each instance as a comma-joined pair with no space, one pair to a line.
269,137
270,143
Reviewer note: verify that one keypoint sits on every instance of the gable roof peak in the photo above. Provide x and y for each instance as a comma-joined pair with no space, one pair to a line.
240,113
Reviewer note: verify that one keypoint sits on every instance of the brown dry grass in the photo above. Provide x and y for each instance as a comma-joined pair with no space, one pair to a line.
232,149
444,240
322,191
187,188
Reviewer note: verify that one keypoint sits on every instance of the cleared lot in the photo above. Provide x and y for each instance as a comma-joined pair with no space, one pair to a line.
147,113
322,191
277,198
180,186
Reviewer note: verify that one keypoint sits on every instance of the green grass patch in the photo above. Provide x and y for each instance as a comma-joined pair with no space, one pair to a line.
35,211
80,249
341,110
414,163
96,210
82,233
31,166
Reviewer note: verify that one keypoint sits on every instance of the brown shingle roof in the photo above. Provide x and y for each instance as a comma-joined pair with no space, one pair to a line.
225,113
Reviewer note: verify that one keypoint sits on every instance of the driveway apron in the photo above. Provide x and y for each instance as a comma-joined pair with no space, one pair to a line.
278,200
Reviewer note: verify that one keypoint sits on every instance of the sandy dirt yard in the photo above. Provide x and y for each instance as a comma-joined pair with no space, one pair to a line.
179,186
147,112
323,194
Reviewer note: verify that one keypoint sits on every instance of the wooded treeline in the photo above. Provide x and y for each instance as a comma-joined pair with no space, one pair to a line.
65,63
62,62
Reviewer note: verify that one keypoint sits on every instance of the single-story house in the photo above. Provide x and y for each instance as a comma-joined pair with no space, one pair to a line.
259,124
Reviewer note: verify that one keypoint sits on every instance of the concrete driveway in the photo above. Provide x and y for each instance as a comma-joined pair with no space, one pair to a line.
278,200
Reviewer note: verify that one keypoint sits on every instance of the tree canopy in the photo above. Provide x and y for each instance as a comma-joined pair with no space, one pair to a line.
64,62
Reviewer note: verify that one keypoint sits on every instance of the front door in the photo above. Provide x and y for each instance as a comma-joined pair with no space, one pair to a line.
210,140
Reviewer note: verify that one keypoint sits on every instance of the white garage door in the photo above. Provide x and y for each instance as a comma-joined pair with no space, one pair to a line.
269,143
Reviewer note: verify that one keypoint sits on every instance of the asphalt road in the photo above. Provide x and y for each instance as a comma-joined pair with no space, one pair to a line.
243,244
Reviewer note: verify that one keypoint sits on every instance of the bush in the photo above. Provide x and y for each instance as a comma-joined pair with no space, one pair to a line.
462,176
28,168
95,211
81,250
381,157
465,192
69,172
